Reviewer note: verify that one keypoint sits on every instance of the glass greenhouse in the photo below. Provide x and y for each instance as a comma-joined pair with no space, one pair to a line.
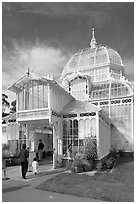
105,86
93,100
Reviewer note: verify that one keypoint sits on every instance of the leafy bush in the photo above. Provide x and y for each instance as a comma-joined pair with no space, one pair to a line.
69,164
5,151
110,162
114,153
11,159
121,152
90,148
80,163
99,166
83,161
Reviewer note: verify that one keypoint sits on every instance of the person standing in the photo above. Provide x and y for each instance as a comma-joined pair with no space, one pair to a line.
28,149
40,150
24,154
35,166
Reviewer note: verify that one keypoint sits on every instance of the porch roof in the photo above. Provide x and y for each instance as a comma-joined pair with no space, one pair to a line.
77,106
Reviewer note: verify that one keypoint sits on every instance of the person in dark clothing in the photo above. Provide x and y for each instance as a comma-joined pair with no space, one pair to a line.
24,154
40,150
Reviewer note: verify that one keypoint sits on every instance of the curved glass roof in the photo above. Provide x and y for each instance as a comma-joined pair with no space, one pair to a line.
89,58
110,89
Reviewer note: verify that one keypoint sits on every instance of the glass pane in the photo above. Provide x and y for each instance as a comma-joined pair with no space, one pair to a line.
87,128
20,101
45,96
30,98
40,96
81,128
93,123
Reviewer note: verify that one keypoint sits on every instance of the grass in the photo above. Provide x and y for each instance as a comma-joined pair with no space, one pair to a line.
117,186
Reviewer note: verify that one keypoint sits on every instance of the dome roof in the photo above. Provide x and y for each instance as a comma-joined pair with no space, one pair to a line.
92,57
112,88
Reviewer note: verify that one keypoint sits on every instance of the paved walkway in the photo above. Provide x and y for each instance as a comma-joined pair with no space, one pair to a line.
17,190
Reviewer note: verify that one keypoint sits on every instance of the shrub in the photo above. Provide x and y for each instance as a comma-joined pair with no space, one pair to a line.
121,152
114,153
90,148
99,166
77,165
5,151
80,163
83,161
109,163
69,164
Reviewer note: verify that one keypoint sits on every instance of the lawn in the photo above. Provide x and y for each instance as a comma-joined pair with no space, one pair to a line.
117,186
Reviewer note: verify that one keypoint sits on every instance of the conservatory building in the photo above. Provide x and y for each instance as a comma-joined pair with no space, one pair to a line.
93,100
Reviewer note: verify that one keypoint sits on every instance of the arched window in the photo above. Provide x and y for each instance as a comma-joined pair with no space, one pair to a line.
81,128
34,95
93,127
75,132
119,89
87,127
65,136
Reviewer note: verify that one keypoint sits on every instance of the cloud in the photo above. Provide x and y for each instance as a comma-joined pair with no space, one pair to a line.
67,8
7,9
42,59
129,68
96,13
54,9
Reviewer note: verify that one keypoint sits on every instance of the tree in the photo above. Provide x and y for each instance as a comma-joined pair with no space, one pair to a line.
5,104
13,106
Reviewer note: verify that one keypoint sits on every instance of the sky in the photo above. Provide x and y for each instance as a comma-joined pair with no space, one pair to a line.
44,35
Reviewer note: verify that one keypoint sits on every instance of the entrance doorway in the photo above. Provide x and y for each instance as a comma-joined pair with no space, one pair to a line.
47,139
32,132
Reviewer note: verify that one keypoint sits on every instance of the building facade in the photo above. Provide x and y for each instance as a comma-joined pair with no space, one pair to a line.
96,75
93,100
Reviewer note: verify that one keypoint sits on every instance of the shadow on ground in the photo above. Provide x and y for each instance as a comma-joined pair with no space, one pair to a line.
123,160
47,173
15,188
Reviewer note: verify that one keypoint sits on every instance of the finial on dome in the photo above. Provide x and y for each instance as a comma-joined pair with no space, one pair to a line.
28,71
93,40
92,32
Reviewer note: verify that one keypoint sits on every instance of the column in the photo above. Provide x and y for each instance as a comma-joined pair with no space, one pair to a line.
37,95
110,99
32,94
23,134
49,106
22,98
27,136
17,103
97,132
43,96
54,146
132,116
60,145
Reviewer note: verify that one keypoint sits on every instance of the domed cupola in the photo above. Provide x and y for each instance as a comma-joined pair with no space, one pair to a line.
93,58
